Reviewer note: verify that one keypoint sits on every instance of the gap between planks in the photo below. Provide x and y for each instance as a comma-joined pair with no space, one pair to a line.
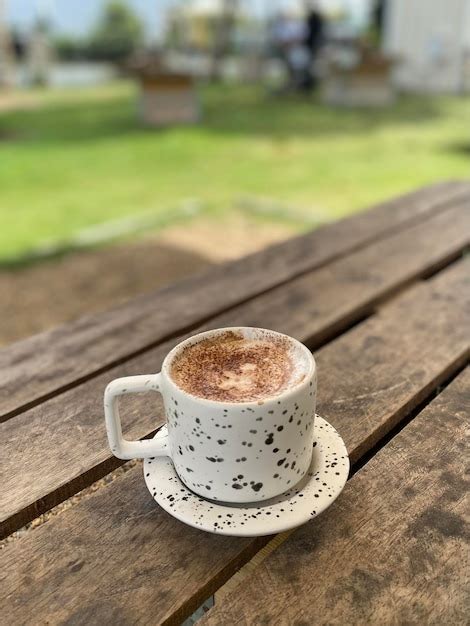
277,540
247,569
433,525
113,467
432,379
315,341
442,205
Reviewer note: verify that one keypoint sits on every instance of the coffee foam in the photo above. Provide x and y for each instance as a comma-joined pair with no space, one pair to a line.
239,367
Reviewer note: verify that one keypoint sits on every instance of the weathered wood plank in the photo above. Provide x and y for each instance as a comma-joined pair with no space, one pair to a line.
39,367
394,549
117,556
311,308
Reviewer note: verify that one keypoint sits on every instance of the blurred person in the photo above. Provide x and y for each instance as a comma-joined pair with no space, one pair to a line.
379,18
288,36
314,41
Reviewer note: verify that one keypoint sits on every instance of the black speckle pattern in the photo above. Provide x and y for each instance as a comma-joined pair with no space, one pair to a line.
206,445
222,441
322,483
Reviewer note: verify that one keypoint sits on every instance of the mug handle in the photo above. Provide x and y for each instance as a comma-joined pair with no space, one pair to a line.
120,447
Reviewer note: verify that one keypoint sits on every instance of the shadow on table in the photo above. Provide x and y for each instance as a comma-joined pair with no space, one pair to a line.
43,295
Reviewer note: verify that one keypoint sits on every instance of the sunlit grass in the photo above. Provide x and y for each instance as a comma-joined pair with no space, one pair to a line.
81,157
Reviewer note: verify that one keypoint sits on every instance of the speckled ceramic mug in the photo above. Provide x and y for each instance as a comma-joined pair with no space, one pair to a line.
227,451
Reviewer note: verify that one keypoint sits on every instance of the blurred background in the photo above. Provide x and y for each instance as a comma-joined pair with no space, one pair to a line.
143,141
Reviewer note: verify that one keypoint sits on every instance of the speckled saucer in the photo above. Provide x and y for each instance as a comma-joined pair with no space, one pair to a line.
318,489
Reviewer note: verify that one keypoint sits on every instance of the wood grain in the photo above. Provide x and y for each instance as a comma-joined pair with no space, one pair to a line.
117,556
312,308
395,547
39,367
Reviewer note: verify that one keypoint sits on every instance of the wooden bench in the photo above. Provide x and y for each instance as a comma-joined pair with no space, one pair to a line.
383,298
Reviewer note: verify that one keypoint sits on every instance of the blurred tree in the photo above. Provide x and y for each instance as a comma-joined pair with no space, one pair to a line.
117,34
68,48
223,36
6,52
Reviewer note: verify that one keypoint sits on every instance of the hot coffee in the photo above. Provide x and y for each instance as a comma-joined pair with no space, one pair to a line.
232,367
240,406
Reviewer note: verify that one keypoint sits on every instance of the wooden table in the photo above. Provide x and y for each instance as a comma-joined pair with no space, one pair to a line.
383,298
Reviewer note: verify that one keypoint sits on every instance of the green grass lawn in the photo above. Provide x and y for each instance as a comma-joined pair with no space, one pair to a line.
81,157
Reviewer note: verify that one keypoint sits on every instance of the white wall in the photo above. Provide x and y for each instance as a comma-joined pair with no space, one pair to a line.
430,37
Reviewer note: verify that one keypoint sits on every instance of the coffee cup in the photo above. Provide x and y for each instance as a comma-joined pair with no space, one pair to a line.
240,414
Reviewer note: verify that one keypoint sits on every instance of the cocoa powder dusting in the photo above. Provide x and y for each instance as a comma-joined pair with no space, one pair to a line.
233,368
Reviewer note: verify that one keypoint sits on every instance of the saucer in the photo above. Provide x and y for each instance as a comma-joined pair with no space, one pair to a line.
321,485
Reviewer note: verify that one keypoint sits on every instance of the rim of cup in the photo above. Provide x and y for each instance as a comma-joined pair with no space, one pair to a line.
274,399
